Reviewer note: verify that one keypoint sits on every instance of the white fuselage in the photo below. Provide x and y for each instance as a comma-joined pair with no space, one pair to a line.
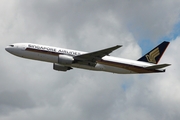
51,54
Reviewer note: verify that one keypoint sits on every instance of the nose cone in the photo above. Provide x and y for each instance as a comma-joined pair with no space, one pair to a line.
8,49
13,49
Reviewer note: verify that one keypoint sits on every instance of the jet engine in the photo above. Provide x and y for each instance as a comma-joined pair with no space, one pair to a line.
60,67
65,59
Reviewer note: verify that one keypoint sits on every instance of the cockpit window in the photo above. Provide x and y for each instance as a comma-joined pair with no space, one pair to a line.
12,45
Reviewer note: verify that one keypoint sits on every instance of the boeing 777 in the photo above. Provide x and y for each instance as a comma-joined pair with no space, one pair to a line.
66,59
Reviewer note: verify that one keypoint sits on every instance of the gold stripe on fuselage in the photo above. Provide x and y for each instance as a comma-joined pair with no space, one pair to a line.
133,68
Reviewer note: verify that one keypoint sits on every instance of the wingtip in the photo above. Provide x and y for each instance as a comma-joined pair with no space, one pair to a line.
166,41
168,64
118,46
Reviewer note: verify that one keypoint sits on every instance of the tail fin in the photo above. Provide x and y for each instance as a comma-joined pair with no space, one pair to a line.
155,55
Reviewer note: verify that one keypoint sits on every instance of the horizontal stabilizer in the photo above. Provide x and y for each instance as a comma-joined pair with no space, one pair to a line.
158,66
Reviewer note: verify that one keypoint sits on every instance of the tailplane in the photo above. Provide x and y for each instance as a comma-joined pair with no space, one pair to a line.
155,55
154,67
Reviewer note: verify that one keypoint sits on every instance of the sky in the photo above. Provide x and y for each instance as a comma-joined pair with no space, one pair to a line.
33,90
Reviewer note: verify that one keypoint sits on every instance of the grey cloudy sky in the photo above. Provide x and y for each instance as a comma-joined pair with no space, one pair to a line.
33,90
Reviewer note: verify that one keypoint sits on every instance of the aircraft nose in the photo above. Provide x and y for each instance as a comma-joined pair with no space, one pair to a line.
9,49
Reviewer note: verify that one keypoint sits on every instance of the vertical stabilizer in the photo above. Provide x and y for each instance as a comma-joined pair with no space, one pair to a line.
155,55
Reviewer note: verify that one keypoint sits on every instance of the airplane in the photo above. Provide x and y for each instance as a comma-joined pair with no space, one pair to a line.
66,59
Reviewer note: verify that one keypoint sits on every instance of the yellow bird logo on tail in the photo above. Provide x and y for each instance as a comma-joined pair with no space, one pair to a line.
151,57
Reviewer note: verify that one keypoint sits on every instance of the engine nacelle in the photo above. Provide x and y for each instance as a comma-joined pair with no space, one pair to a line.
65,59
60,67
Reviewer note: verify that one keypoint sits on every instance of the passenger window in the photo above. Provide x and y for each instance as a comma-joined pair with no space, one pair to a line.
12,45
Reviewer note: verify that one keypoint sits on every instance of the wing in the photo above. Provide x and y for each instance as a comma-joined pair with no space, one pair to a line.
97,55
158,66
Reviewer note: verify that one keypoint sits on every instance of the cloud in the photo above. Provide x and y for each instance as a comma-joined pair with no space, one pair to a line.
10,101
145,19
32,90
